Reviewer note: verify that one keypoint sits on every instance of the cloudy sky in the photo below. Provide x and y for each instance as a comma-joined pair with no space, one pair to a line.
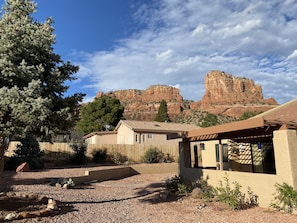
132,44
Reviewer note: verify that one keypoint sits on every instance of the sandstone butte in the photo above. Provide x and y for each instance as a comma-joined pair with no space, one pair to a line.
225,94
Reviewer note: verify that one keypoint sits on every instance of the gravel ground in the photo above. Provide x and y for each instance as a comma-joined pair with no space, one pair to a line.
139,198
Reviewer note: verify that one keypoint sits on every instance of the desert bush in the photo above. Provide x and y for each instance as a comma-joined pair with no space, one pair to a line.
99,155
208,191
234,197
177,186
168,158
27,151
118,158
79,155
153,155
285,198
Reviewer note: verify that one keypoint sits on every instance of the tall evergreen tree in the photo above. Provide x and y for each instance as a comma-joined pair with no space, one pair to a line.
100,114
32,77
162,115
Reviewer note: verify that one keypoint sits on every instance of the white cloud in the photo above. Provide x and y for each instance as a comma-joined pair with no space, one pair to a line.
164,55
183,40
292,55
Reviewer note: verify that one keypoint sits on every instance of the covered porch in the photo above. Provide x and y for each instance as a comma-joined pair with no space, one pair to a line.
257,153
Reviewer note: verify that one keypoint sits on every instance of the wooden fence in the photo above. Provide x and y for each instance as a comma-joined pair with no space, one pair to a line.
55,152
134,152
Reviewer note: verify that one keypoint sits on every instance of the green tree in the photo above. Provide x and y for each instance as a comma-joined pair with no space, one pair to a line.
209,120
27,151
162,115
102,114
32,77
249,114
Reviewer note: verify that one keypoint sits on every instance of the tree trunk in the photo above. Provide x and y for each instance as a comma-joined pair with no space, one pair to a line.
3,147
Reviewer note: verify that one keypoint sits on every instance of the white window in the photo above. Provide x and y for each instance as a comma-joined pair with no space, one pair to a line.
149,135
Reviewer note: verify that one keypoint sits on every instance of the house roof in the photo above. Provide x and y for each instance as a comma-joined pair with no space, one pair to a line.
99,133
156,127
259,127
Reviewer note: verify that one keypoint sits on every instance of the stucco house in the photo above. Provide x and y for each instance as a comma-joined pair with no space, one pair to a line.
257,153
133,132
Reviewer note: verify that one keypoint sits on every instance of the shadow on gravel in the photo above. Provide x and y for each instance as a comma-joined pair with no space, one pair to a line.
102,201
157,193
153,193
8,181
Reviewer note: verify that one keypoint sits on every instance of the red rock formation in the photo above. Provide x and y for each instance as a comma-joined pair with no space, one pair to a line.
229,95
221,88
224,94
144,105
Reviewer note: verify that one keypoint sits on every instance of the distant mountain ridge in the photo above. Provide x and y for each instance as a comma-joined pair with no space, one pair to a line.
225,95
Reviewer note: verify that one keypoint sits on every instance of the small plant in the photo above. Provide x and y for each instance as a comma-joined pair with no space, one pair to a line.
168,158
99,155
79,155
252,199
153,155
118,158
209,192
285,198
177,186
232,197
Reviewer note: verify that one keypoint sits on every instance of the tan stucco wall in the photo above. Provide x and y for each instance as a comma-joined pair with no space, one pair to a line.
285,152
102,139
125,135
158,139
261,185
128,136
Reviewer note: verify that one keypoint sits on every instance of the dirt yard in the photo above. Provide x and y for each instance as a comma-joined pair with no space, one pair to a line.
139,198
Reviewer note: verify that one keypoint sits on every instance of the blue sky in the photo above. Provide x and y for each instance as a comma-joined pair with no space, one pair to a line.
132,44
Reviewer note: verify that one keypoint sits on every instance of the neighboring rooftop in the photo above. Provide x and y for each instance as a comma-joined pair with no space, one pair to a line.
157,126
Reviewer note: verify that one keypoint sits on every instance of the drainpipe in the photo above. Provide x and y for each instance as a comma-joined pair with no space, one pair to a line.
221,155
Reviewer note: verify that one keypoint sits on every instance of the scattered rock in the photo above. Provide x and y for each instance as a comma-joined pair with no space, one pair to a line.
52,204
24,167
64,183
197,193
33,196
11,216
201,206
10,194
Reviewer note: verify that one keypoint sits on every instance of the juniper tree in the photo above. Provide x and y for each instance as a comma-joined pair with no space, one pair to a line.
32,77
162,115
102,112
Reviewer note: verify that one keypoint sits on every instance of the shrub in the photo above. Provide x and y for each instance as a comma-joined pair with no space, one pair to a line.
208,192
285,198
177,186
168,158
79,155
99,155
27,151
153,155
234,197
118,158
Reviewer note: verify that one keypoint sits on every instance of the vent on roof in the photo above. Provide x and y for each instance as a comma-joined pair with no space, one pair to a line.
156,125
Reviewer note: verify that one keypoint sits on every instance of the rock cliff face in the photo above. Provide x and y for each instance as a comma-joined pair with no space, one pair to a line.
144,105
229,95
224,94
